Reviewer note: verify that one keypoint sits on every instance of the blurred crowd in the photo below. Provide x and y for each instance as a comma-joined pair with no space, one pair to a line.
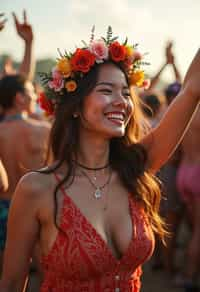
24,132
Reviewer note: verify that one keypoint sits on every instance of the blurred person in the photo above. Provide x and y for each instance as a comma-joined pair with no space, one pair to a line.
172,208
3,206
27,66
3,178
23,141
171,205
152,108
158,102
169,60
93,211
8,67
188,182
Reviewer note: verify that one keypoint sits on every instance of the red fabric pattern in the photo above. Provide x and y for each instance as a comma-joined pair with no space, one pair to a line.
81,261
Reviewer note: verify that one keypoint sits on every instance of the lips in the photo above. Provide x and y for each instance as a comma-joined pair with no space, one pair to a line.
118,117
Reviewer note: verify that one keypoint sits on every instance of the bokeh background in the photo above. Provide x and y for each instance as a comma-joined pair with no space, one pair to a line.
63,24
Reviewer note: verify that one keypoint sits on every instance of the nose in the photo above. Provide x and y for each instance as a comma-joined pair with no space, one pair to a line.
120,100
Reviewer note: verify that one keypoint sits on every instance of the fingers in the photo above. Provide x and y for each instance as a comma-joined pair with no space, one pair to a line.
25,16
15,19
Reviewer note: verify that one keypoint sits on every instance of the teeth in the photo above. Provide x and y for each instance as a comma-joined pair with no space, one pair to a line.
115,116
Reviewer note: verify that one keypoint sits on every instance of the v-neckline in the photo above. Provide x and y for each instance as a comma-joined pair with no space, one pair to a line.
98,235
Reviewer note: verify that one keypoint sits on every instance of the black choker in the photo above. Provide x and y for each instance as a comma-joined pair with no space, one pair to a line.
90,168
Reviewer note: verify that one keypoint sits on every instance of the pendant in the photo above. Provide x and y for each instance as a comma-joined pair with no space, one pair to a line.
98,193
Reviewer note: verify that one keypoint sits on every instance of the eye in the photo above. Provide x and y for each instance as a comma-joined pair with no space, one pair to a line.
105,90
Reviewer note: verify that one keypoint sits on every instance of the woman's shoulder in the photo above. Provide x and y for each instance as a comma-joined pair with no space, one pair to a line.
36,185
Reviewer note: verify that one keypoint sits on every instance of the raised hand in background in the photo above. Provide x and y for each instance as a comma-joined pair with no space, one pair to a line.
24,29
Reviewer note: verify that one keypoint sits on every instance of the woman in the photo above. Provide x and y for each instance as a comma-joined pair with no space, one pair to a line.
93,211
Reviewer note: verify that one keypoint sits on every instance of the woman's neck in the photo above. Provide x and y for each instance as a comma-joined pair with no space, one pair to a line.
93,153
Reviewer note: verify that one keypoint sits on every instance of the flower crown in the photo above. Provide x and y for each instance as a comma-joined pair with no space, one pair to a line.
72,66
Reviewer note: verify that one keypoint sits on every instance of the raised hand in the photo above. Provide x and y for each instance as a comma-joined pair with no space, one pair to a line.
168,53
2,21
24,29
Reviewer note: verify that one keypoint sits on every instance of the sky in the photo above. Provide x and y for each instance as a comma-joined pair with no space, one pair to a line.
150,23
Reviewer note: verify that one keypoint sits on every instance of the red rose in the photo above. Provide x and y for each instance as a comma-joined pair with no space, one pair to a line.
82,60
45,104
117,52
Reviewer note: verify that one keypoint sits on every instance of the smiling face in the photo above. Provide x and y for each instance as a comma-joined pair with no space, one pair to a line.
109,106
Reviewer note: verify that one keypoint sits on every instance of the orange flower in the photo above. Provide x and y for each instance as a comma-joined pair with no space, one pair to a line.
70,86
117,52
137,78
82,60
64,67
129,51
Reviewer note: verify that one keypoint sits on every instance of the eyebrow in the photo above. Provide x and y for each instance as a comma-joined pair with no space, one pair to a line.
110,84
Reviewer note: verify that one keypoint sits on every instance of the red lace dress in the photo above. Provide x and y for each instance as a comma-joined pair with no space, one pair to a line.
81,261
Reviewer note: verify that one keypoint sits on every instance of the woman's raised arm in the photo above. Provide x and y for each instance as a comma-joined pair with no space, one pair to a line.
162,141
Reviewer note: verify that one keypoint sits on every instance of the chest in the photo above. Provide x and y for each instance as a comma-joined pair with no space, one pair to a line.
110,220
80,252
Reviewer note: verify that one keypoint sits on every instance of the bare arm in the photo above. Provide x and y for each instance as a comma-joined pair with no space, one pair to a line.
163,140
155,79
176,73
23,229
24,30
171,60
3,178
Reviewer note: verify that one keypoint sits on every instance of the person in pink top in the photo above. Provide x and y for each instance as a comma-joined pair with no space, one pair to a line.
93,211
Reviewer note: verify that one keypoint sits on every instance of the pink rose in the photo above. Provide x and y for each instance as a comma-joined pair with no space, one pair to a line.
137,56
56,74
57,83
100,50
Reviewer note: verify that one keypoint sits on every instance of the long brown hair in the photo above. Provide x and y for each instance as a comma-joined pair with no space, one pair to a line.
127,156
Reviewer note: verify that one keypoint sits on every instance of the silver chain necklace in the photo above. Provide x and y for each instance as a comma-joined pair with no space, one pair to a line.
98,189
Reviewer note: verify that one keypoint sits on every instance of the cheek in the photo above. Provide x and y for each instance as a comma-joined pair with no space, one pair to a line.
95,108
91,116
